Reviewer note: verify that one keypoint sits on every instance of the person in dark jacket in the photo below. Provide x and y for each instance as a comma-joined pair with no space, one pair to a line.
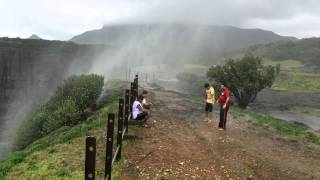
224,101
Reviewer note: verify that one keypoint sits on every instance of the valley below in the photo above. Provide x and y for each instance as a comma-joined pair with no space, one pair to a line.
279,104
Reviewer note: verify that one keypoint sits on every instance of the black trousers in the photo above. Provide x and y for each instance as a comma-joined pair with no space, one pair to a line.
223,117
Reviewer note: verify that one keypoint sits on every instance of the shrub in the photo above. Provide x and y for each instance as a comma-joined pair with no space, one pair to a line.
65,108
83,90
245,77
67,114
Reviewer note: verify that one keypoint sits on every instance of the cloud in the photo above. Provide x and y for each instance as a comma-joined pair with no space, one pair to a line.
58,19
62,19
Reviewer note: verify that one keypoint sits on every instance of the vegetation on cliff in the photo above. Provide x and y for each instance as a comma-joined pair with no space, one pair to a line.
65,108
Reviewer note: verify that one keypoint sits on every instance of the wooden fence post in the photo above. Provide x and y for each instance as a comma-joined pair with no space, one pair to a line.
136,86
90,161
126,109
120,128
132,96
109,144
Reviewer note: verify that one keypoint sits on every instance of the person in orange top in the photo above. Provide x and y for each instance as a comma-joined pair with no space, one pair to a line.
224,101
210,99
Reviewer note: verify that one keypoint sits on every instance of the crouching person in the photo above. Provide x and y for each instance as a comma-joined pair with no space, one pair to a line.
138,113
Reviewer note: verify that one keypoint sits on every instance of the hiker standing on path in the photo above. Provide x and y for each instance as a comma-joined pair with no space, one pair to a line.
224,101
210,99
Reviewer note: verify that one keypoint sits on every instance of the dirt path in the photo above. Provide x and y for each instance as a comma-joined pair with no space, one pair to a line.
181,146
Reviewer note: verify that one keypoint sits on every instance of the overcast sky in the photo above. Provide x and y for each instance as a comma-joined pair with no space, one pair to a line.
62,19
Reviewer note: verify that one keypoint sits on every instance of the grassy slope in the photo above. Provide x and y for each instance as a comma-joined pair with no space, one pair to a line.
306,110
60,155
287,65
298,82
305,50
292,78
288,129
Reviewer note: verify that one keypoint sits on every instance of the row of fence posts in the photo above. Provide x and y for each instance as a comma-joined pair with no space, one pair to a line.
124,114
144,76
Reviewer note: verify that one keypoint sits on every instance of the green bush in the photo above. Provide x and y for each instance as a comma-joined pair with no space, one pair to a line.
83,90
65,108
244,77
67,114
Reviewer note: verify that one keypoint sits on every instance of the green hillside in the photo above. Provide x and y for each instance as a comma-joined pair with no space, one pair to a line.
60,154
307,51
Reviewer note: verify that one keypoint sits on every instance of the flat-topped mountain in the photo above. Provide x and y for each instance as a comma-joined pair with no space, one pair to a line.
176,43
212,37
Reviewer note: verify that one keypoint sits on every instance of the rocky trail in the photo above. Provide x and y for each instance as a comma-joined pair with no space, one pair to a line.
180,145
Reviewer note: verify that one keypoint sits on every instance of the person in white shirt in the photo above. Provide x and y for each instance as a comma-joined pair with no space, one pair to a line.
138,113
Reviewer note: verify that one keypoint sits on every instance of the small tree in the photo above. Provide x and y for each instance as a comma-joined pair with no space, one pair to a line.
245,77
